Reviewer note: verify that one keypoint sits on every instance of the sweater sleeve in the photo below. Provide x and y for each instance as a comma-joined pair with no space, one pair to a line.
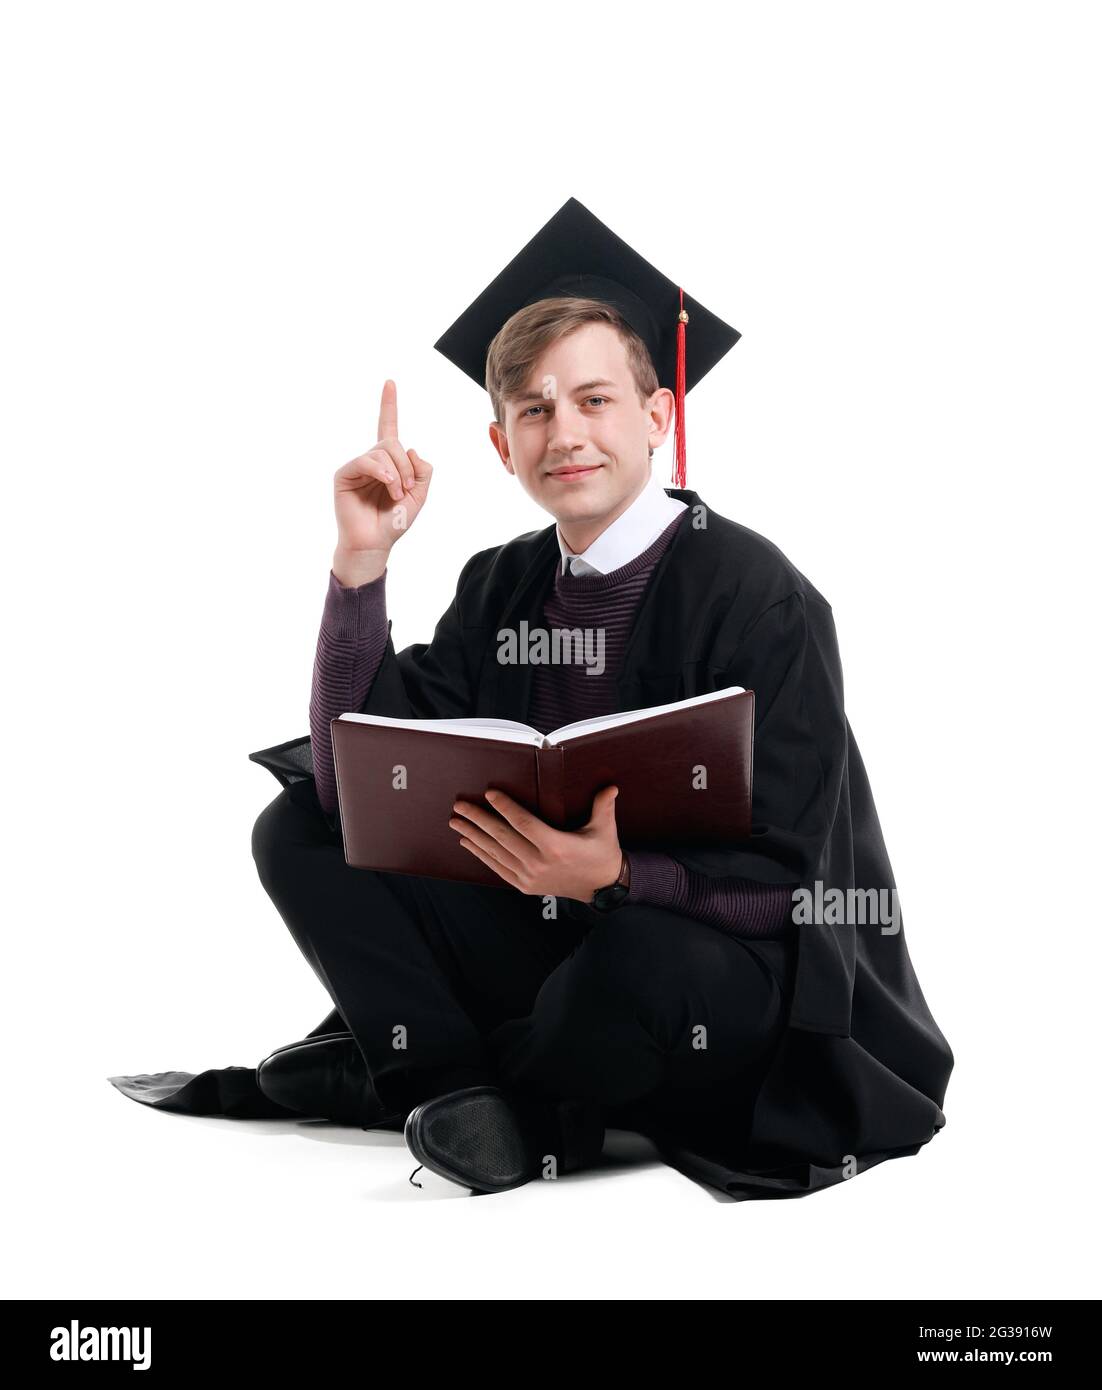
350,649
738,906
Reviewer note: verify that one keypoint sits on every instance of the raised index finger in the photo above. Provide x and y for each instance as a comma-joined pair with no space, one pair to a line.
388,411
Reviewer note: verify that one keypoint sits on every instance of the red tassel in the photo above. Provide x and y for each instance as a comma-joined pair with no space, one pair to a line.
679,431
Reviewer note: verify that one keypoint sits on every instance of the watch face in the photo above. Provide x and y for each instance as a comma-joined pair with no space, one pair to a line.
607,898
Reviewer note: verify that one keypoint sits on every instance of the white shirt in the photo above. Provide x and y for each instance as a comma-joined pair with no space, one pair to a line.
633,531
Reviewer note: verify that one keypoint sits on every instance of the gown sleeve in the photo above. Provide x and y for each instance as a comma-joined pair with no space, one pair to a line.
810,819
788,655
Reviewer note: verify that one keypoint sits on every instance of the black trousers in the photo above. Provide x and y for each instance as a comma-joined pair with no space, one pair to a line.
663,1020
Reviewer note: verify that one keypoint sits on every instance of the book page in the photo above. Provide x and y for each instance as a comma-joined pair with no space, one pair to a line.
506,730
612,721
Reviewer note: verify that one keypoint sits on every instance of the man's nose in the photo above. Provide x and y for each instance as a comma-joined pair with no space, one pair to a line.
567,432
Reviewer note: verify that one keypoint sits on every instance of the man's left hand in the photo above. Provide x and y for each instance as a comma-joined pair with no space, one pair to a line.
535,857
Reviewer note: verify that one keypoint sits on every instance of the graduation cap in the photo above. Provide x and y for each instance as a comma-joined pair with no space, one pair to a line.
576,254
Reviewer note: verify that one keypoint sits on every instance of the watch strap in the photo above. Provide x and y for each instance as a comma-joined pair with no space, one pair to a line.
613,894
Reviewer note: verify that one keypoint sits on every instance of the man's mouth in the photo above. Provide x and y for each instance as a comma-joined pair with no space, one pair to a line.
565,474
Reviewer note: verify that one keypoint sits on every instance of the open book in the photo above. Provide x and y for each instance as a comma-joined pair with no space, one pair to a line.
684,772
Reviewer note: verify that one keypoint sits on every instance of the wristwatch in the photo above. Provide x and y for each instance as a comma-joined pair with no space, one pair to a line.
610,897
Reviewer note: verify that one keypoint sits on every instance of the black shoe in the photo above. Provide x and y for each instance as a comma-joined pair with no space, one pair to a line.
327,1076
482,1139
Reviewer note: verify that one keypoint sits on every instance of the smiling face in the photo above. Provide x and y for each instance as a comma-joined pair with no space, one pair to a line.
578,437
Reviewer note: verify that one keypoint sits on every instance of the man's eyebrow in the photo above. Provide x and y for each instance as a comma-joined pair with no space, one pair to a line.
539,396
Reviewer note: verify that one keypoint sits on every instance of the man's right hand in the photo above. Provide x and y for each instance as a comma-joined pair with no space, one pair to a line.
376,498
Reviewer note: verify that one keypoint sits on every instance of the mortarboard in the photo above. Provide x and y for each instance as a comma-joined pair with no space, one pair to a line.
576,254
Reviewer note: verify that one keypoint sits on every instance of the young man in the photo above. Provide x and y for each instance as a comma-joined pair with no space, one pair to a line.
679,993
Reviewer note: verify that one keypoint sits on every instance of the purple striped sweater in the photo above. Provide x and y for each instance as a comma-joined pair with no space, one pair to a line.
350,650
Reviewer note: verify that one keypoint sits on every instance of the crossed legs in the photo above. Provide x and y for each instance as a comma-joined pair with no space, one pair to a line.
446,984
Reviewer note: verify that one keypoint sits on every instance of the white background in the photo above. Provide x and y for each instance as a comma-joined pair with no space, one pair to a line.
226,225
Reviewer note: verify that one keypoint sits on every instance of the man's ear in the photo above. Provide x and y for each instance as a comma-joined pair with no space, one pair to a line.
661,409
501,444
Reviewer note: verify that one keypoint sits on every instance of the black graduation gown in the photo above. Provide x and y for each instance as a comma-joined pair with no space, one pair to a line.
861,1070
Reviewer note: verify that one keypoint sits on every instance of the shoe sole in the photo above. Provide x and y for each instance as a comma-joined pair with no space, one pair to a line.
417,1142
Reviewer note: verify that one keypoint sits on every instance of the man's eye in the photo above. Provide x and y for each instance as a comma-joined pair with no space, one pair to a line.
528,412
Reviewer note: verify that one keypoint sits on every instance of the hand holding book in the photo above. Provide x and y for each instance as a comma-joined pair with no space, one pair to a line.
682,771
536,858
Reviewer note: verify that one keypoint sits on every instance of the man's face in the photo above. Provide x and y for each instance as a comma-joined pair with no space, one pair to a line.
578,439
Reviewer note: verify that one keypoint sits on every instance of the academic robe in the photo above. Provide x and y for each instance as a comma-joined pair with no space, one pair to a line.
861,1070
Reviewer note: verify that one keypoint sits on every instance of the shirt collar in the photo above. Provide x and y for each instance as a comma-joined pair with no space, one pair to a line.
633,531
